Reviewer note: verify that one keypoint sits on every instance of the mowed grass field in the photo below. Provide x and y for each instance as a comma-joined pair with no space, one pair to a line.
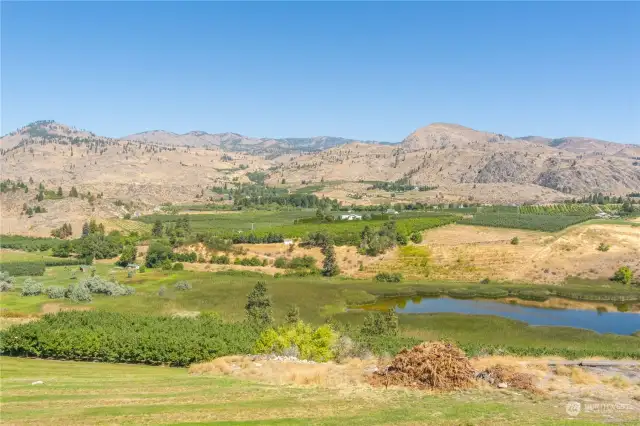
78,393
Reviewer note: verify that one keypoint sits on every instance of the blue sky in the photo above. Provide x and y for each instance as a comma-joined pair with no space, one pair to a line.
361,70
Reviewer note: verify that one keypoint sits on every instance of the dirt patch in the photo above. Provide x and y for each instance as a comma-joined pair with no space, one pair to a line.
430,365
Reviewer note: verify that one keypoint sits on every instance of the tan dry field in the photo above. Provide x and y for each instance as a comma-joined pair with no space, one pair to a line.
348,257
471,253
463,252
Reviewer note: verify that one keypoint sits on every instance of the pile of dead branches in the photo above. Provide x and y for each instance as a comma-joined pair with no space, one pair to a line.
429,365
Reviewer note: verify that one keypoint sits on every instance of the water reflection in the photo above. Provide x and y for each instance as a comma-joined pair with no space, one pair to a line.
603,319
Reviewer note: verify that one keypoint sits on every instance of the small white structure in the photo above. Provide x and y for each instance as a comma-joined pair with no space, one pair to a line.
391,211
602,215
350,217
133,266
288,242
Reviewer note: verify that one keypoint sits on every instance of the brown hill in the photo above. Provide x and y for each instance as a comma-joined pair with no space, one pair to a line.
446,154
156,167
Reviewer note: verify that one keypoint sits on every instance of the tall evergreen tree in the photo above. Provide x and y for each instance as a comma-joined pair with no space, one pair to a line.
59,193
157,229
73,192
258,307
85,229
330,264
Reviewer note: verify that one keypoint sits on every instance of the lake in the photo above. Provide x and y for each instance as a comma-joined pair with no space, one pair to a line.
596,320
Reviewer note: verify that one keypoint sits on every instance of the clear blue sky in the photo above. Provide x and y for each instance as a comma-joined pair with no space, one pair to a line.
360,70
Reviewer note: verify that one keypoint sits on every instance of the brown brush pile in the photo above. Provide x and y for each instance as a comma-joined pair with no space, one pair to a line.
508,374
429,365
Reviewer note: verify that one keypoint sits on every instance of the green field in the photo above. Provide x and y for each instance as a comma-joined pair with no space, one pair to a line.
23,256
560,210
235,221
534,222
319,298
281,222
77,393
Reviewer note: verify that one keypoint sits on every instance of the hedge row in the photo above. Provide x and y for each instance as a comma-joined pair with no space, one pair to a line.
129,338
23,268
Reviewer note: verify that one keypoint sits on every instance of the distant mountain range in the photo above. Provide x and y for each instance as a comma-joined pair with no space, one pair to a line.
441,154
237,142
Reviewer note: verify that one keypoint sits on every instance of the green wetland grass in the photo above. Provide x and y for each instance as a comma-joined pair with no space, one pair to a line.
322,298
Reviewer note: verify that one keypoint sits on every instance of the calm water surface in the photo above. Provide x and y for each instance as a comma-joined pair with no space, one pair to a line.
602,322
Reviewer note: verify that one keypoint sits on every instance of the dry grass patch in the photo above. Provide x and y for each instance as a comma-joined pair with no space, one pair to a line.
352,373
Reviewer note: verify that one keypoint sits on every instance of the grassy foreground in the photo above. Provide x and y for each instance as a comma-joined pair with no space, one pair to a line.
90,393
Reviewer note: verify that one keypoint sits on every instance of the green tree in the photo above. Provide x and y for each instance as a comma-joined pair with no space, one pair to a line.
158,252
85,229
624,275
129,253
330,264
98,246
63,250
258,307
293,315
157,228
59,193
40,196
73,192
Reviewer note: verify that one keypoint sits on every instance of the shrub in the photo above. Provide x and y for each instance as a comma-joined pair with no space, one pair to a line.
515,241
416,237
280,262
305,262
166,265
485,281
345,348
162,291
312,344
380,324
604,247
248,261
178,266
293,315
389,277
99,285
158,252
183,286
127,338
55,292
142,269
17,269
220,260
623,275
30,287
78,293
6,281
